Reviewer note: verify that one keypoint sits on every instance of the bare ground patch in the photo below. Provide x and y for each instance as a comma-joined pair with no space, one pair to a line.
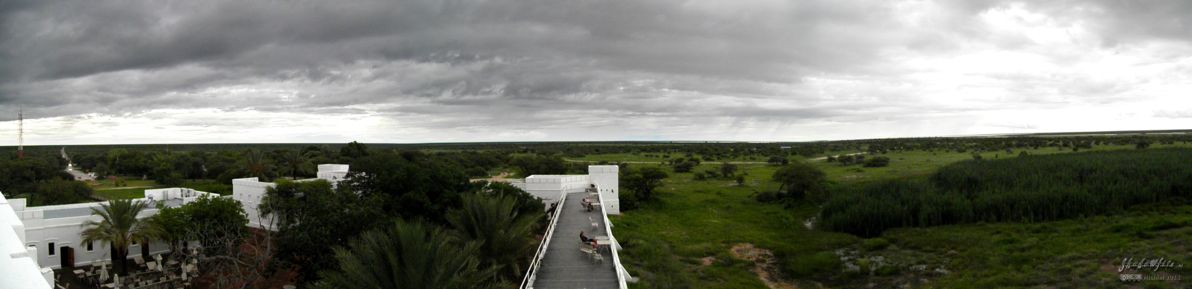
764,267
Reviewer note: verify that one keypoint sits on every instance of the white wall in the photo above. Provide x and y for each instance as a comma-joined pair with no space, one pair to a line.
332,172
249,192
552,187
66,232
18,266
41,229
607,180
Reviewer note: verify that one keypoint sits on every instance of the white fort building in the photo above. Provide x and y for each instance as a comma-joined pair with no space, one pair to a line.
36,240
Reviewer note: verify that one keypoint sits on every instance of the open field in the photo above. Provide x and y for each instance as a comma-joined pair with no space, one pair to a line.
666,241
684,239
136,188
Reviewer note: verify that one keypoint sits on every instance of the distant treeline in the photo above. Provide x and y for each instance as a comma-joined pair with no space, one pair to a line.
40,178
706,151
1024,189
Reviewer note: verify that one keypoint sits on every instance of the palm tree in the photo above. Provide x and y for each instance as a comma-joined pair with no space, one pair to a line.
118,227
254,163
506,236
408,255
295,161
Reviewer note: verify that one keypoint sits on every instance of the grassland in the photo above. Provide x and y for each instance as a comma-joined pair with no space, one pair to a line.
684,239
132,189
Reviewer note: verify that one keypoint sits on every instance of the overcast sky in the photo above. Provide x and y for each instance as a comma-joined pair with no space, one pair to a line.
152,71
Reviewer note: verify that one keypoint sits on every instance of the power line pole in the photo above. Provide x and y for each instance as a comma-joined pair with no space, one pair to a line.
21,133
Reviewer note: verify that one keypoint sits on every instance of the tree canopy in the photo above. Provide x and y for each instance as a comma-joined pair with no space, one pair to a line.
798,180
408,255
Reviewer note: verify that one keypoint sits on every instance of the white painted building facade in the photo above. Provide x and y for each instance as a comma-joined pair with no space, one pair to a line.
19,267
36,240
56,230
251,191
551,188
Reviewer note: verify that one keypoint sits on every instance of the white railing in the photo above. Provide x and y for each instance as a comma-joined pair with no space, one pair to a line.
532,271
622,275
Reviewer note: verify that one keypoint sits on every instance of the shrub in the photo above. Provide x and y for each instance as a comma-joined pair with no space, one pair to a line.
877,162
1034,189
766,197
875,244
803,266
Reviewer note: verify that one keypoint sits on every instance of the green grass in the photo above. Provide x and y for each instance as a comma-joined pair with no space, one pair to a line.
129,182
664,241
627,157
116,194
658,157
1077,253
136,188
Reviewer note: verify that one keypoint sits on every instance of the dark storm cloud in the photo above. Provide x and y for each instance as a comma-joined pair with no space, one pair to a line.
48,41
464,60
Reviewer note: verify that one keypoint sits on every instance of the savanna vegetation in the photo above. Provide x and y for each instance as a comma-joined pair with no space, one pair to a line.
1021,189
1017,211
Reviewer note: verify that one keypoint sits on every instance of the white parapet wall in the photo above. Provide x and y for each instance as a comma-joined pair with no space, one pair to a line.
551,188
604,178
56,230
250,192
18,264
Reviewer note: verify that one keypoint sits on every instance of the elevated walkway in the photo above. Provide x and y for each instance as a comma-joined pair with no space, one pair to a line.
560,262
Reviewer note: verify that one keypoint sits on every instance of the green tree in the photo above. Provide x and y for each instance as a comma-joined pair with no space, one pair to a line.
60,191
295,162
642,182
505,235
354,150
118,227
254,163
411,185
727,169
312,215
798,180
408,255
525,202
876,162
539,164
681,165
218,223
170,225
113,158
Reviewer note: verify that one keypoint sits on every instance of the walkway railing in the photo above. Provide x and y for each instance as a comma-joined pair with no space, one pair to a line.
532,271
622,275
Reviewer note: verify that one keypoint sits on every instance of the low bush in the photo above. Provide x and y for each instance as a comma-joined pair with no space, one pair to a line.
809,265
875,244
1032,189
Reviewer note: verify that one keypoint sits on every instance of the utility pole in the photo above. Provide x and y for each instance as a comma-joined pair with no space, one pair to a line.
21,133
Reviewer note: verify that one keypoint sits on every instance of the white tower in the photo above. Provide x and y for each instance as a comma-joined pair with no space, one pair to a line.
607,180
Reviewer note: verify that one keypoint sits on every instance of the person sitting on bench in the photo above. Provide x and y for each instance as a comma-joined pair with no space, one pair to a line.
584,238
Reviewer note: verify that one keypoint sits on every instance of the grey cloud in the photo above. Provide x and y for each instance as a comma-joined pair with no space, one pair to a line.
461,61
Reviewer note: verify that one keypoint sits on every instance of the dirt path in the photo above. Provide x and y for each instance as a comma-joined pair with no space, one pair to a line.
122,188
826,157
661,162
764,266
502,177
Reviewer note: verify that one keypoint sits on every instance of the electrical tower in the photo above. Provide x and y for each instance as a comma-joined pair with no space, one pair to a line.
21,133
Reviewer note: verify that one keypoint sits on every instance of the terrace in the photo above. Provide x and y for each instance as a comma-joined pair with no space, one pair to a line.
563,261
